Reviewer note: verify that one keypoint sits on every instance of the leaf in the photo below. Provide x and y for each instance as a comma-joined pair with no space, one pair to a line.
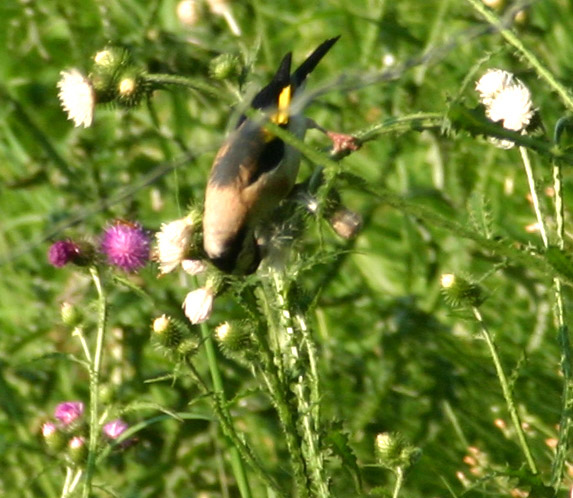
337,441
560,261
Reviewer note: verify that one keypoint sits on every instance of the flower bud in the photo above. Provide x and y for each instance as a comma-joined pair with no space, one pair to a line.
233,337
224,67
108,63
458,291
53,437
69,411
77,450
167,332
115,428
393,452
346,223
70,314
130,88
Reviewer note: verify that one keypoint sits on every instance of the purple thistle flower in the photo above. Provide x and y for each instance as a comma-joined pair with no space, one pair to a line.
69,411
115,428
126,246
63,252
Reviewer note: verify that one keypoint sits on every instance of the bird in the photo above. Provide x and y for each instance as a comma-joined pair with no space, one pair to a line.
254,170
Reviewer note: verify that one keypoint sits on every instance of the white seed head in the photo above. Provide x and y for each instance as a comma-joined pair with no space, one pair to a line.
173,243
512,106
198,305
77,97
491,83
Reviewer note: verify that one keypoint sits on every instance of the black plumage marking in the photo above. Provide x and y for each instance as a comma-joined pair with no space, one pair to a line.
270,158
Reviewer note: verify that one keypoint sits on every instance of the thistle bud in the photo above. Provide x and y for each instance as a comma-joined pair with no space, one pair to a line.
233,337
224,67
104,72
77,450
131,88
458,291
167,331
394,453
53,437
70,314
110,59
346,223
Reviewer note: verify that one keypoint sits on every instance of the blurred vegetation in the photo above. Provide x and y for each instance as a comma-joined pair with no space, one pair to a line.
393,357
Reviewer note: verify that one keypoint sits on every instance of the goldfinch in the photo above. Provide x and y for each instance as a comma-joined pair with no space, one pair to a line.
254,170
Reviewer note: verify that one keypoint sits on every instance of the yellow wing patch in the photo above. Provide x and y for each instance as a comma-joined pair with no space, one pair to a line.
282,114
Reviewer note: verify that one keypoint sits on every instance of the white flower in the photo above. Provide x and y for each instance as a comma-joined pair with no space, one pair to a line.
512,106
198,305
173,243
193,266
77,96
506,99
491,83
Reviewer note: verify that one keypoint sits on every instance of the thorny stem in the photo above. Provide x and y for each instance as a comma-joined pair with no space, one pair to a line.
563,338
183,81
274,376
305,381
95,370
507,394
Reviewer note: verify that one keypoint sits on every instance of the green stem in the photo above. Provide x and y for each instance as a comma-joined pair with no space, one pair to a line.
534,196
399,482
221,406
183,81
507,394
534,62
95,369
566,422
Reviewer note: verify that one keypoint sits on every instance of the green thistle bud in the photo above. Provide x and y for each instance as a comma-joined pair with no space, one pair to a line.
167,332
225,66
233,338
458,291
77,450
188,346
70,314
393,452
107,393
53,437
110,59
130,88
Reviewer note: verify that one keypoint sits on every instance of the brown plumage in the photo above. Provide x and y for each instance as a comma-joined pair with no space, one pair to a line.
253,171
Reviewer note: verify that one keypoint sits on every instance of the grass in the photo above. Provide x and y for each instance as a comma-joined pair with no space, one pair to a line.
354,338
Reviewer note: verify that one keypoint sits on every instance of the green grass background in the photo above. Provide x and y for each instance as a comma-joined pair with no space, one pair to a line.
393,356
